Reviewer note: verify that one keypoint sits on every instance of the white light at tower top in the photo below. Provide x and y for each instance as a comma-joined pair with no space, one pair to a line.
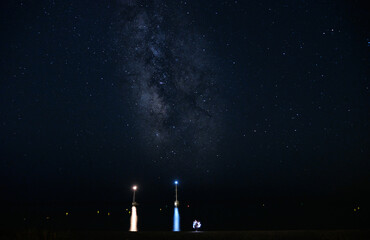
134,188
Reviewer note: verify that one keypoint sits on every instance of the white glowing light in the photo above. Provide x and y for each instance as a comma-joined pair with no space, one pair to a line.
196,224
176,182
134,188
133,222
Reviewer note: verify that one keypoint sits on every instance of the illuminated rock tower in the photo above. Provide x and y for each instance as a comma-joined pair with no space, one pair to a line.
133,220
176,215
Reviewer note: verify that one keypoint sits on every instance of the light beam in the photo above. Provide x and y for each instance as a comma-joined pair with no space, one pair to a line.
133,220
176,214
176,220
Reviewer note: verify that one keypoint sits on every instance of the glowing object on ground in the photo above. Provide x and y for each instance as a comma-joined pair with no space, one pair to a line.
176,220
133,222
176,215
196,225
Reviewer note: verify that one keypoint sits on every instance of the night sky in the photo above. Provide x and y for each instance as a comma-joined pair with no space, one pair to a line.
259,108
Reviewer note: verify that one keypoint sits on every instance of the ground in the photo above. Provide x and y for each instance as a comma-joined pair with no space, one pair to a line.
257,235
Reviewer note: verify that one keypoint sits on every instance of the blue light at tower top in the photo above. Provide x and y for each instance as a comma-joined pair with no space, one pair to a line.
176,182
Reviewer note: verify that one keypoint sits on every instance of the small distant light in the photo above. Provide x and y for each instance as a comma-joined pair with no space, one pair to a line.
188,206
176,182
129,212
160,209
196,225
97,212
67,213
134,188
108,213
126,209
358,208
355,210
47,218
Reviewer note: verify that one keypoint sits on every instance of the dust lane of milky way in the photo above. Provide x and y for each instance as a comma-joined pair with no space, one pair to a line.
173,82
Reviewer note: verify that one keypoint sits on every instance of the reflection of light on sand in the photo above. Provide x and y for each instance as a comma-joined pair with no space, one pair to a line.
133,222
176,220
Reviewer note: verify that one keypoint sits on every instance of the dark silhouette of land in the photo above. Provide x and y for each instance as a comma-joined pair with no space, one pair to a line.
159,235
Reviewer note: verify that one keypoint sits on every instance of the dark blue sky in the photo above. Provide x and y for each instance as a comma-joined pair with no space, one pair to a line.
267,98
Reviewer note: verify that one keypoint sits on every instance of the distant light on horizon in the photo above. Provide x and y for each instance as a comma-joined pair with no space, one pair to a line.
134,188
176,182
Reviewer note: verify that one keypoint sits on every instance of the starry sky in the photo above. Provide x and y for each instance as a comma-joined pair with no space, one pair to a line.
251,102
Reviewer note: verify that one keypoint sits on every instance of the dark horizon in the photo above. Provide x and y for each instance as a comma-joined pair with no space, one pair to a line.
254,212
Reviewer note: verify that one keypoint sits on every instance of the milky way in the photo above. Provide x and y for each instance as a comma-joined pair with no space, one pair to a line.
173,82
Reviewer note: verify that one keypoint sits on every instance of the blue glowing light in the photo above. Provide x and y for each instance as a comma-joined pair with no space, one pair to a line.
176,220
176,182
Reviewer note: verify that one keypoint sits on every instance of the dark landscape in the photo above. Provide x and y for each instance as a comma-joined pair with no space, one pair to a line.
247,235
